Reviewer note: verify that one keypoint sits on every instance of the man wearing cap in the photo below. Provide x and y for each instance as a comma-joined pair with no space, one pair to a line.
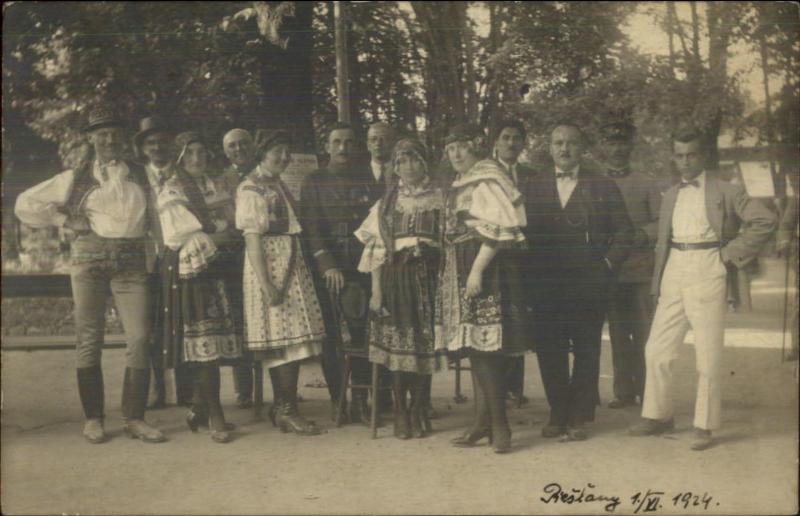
153,144
240,150
508,137
104,201
579,235
706,227
334,202
630,308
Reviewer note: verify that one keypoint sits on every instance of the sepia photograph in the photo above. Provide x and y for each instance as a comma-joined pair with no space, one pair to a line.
380,257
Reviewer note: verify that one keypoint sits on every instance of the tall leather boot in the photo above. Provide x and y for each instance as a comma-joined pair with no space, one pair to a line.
289,418
430,412
134,400
277,394
91,392
418,427
481,425
208,382
402,419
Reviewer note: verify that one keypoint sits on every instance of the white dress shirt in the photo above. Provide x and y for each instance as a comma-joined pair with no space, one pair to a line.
115,209
689,219
566,185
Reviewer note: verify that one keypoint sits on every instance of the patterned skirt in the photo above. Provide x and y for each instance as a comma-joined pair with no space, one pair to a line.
401,339
198,324
490,322
293,330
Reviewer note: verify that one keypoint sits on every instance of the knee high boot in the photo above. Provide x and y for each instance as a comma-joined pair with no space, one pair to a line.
418,426
289,418
207,381
277,395
92,395
481,425
493,369
430,413
134,401
402,429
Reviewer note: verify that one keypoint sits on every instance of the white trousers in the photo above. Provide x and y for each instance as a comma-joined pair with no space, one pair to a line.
692,296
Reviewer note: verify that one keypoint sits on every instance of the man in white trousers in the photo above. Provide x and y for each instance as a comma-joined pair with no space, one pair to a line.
708,229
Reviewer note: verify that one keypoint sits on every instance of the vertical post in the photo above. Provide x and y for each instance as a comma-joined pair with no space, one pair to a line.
342,75
768,108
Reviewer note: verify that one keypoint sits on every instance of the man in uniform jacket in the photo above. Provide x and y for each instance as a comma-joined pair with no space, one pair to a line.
334,202
630,308
579,234
104,202
509,141
239,148
153,144
707,229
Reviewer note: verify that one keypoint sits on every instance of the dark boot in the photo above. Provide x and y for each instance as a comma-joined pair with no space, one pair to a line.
418,423
430,412
481,425
275,380
492,368
289,419
91,392
134,401
206,378
184,390
159,390
402,421
359,410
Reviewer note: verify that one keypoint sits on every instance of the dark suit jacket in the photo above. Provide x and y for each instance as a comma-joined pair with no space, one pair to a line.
609,229
742,225
642,194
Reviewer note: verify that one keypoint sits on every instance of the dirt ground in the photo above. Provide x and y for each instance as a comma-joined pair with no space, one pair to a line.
48,468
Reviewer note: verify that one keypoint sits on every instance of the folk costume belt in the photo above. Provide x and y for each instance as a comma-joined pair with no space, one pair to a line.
694,247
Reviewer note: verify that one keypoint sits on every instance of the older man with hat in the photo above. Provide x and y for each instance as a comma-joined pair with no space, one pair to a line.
153,145
104,201
630,308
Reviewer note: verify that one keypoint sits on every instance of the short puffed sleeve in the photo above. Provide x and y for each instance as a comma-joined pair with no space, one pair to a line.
494,215
369,234
177,222
252,212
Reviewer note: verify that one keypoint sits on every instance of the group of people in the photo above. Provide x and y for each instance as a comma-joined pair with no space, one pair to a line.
410,264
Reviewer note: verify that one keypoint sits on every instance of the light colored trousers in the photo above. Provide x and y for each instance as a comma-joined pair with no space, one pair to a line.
692,296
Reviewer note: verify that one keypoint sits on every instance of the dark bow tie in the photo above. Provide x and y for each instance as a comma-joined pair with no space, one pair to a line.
618,173
691,182
565,175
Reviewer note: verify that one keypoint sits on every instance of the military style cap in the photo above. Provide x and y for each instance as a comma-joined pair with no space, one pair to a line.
617,128
102,115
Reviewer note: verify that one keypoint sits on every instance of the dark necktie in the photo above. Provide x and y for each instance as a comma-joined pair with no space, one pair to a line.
691,182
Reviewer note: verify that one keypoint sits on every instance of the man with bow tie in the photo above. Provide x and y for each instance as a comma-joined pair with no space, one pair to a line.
380,141
104,201
707,228
153,144
579,234
630,307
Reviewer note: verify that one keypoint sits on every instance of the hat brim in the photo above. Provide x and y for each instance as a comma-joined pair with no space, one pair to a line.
101,125
138,137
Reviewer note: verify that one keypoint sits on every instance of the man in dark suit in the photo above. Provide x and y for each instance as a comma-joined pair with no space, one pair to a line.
334,202
630,308
509,141
380,142
240,150
707,229
579,234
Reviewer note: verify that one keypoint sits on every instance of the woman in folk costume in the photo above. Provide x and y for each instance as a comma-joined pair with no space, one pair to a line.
401,237
474,316
283,320
197,222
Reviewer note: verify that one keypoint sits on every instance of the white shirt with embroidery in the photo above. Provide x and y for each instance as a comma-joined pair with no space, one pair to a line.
115,208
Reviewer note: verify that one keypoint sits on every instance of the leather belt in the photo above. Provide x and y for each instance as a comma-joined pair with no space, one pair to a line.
693,247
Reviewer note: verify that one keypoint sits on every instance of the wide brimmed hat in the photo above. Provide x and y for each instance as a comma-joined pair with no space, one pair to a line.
102,115
149,125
